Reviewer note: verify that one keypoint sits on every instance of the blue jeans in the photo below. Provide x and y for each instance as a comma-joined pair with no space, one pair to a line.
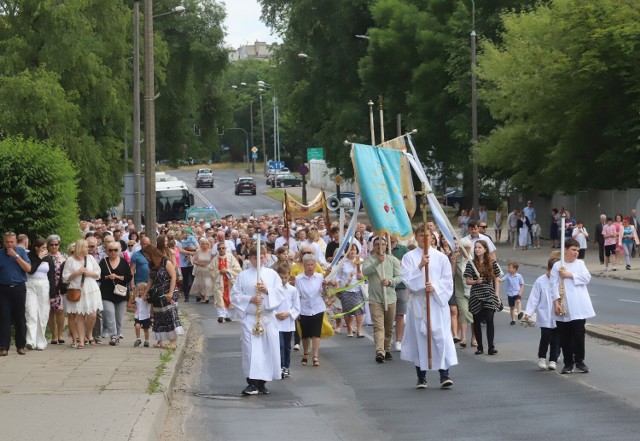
285,349
444,373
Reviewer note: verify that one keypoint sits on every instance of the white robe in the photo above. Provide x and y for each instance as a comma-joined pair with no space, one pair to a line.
540,300
260,353
577,302
414,344
290,304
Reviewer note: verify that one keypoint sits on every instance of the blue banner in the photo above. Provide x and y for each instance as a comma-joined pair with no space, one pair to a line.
378,174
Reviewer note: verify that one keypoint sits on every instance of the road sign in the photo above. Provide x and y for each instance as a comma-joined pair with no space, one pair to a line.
315,153
254,149
338,179
303,170
254,155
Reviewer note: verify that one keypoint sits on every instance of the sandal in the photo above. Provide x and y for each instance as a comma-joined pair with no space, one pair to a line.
61,341
92,343
474,344
159,345
463,344
316,362
80,347
305,360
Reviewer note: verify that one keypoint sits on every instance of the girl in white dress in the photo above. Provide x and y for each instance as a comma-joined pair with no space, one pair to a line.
202,282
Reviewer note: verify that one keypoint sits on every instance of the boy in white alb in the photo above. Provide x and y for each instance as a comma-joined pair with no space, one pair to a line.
575,308
540,301
286,315
142,315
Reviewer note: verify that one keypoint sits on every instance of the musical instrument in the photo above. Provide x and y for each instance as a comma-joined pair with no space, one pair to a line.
258,329
563,218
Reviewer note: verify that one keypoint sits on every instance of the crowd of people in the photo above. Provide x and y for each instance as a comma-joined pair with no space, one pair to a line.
278,280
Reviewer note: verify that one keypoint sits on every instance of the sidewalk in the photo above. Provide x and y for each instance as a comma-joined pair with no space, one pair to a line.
628,335
96,393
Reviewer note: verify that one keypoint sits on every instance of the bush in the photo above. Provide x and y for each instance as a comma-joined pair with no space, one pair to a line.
38,189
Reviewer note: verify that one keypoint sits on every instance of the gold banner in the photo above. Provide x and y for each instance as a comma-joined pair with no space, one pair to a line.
294,209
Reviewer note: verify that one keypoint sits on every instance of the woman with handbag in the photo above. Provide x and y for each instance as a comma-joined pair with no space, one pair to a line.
81,272
115,277
162,293
56,315
484,300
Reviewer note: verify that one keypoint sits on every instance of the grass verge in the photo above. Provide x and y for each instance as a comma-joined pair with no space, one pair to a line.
278,195
154,383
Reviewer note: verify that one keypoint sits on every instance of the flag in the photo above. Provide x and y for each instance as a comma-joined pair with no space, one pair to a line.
408,193
377,171
294,209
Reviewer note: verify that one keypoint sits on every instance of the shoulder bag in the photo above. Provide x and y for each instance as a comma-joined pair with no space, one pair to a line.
74,294
119,290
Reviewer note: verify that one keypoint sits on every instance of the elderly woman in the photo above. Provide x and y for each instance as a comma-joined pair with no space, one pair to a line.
81,271
352,298
312,307
56,315
462,292
202,281
41,286
115,277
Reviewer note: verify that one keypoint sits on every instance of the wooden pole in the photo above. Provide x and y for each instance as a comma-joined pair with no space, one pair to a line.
426,244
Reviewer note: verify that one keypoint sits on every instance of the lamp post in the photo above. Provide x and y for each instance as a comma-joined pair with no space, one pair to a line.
149,114
253,163
474,117
137,175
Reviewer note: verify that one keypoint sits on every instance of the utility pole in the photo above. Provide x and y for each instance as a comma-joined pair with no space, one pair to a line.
474,119
137,174
149,125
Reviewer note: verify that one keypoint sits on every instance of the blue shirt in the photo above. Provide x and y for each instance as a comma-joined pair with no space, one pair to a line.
10,271
142,267
514,282
185,259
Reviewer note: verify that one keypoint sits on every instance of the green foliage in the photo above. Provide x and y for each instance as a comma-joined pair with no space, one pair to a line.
39,190
563,86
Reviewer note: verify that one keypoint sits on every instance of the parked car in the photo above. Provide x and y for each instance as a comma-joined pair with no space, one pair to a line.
245,185
273,171
204,180
278,173
454,199
286,181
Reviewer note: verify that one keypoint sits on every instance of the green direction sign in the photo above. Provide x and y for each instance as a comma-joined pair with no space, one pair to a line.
315,153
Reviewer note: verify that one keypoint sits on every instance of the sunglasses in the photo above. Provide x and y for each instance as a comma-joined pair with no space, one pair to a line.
53,244
91,246
113,249
306,252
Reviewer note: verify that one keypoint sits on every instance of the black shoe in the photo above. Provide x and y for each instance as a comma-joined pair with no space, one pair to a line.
379,358
628,267
227,319
251,389
446,383
186,299
479,351
492,351
220,319
513,322
262,388
567,369
197,299
520,315
422,383
388,356
582,367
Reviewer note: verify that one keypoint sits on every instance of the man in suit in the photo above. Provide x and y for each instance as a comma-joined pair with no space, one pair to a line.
600,237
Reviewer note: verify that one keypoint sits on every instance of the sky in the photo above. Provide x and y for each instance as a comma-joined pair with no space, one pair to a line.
243,24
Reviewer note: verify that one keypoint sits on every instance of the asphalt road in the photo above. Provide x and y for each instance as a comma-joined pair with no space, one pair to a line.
350,397
222,194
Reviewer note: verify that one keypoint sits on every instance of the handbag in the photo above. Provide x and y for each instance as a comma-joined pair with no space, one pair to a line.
74,294
119,290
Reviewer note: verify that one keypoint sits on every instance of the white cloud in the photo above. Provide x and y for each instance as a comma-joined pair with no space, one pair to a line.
243,24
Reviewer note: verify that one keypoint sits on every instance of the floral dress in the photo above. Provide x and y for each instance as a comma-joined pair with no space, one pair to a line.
57,303
166,323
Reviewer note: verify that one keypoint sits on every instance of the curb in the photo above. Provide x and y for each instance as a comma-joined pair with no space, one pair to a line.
615,335
593,274
150,422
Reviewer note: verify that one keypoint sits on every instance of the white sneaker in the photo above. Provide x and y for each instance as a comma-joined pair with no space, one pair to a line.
398,346
542,364
296,347
552,366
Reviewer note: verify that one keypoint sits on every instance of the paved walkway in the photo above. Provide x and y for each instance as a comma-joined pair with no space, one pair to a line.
95,393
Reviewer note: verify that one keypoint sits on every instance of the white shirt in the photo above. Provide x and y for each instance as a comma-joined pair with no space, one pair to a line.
291,242
310,292
481,236
580,237
540,301
577,302
290,304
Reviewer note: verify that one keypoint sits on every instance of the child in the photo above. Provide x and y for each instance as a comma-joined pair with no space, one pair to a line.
142,315
540,301
286,314
535,232
580,234
515,287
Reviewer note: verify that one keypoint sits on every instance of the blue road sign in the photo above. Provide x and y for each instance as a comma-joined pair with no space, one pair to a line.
254,156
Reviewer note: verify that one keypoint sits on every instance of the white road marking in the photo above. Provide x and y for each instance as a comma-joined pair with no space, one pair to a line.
629,301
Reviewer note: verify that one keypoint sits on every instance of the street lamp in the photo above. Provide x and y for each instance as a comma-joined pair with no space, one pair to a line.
362,37
304,56
474,117
150,118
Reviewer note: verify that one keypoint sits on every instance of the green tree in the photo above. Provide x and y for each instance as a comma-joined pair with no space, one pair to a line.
38,188
65,76
563,86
